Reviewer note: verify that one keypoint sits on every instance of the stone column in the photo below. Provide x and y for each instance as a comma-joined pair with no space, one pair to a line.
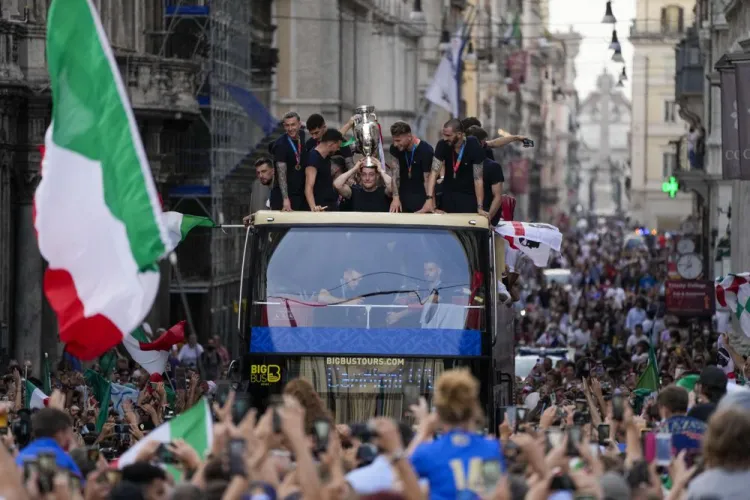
6,253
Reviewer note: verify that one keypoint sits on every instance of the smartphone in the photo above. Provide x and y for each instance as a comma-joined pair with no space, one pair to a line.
582,405
520,417
510,416
237,457
92,452
240,407
411,395
555,437
322,430
165,455
618,408
3,420
491,473
663,449
648,444
30,466
603,434
47,470
223,388
527,143
574,440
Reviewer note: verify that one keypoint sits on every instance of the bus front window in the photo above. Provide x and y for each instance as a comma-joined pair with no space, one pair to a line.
368,278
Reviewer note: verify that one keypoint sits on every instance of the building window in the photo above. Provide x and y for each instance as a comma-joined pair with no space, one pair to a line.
670,111
668,164
672,19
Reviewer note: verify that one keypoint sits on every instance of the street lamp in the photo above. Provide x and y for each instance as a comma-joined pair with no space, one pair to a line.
609,18
615,43
417,15
617,56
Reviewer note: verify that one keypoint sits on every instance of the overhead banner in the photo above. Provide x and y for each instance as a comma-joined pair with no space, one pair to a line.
730,163
742,122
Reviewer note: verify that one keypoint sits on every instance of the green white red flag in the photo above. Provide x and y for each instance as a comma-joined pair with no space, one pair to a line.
733,292
97,213
179,225
153,356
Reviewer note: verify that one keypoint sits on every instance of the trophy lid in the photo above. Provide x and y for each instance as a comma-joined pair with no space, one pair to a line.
364,109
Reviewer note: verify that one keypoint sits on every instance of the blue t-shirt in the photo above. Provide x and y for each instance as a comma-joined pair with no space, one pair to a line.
452,464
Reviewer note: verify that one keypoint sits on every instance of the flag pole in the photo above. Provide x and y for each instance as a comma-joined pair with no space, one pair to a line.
178,275
231,226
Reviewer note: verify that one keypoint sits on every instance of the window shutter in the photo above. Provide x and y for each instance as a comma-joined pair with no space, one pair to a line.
663,19
681,21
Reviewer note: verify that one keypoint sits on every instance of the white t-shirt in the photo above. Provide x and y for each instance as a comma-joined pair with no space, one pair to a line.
633,340
189,355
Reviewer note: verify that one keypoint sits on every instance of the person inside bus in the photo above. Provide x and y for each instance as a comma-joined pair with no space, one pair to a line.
429,300
369,195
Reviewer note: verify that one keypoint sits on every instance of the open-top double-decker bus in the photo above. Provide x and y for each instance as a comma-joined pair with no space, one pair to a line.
369,307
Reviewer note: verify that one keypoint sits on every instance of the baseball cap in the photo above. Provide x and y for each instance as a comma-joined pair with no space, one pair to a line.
714,377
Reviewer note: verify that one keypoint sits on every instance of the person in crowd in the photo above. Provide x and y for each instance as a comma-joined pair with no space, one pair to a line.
450,462
150,479
726,460
687,432
636,315
289,154
493,179
372,193
223,352
319,190
191,352
411,161
53,432
710,388
461,159
316,127
636,338
210,364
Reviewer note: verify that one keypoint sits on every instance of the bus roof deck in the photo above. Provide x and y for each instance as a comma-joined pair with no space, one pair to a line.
458,221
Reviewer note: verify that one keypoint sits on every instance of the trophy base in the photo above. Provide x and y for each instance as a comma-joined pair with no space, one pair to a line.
369,162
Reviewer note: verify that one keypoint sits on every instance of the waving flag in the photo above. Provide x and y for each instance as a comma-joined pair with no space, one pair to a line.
733,292
179,225
35,398
152,356
533,239
97,213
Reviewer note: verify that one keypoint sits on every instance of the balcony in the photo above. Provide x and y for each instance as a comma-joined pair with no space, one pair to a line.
688,69
651,29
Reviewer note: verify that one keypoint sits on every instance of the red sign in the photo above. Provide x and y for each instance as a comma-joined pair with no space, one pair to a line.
690,297
519,176
515,68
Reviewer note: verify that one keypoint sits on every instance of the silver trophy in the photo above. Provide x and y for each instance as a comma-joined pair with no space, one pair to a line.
367,133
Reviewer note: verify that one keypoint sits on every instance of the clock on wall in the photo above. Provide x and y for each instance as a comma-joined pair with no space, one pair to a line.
690,266
685,245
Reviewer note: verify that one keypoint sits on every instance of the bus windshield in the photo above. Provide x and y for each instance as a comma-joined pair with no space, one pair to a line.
368,290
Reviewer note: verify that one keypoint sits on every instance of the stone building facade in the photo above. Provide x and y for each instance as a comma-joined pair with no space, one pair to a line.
163,92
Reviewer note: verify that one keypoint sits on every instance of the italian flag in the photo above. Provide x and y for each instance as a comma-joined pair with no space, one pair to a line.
97,213
179,225
35,398
152,356
194,426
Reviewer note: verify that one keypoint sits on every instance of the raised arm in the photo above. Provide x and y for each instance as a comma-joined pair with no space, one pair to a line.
341,184
387,179
504,141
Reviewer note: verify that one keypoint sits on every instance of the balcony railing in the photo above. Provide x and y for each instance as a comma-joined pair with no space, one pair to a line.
650,28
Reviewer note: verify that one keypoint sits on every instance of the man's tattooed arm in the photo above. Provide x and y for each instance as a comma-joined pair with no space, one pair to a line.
281,166
395,174
437,165
478,171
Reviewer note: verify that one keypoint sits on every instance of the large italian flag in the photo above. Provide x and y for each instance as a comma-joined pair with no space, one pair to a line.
194,426
97,212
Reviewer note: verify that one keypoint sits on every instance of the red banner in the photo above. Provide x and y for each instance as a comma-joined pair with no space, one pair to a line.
519,176
515,67
689,297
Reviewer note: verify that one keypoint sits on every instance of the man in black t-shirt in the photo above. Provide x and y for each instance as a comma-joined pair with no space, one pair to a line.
316,127
493,179
462,160
289,154
411,161
369,195
473,121
319,191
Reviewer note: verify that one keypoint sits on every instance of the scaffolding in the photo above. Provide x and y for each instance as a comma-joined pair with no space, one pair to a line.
212,168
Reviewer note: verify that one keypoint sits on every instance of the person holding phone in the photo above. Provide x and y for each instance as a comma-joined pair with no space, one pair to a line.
454,463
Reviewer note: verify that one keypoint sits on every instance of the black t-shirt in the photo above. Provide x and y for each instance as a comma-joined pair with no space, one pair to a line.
283,151
345,152
459,175
492,174
369,201
488,153
420,160
325,195
275,202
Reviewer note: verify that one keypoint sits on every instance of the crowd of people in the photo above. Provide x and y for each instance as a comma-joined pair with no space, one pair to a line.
622,401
